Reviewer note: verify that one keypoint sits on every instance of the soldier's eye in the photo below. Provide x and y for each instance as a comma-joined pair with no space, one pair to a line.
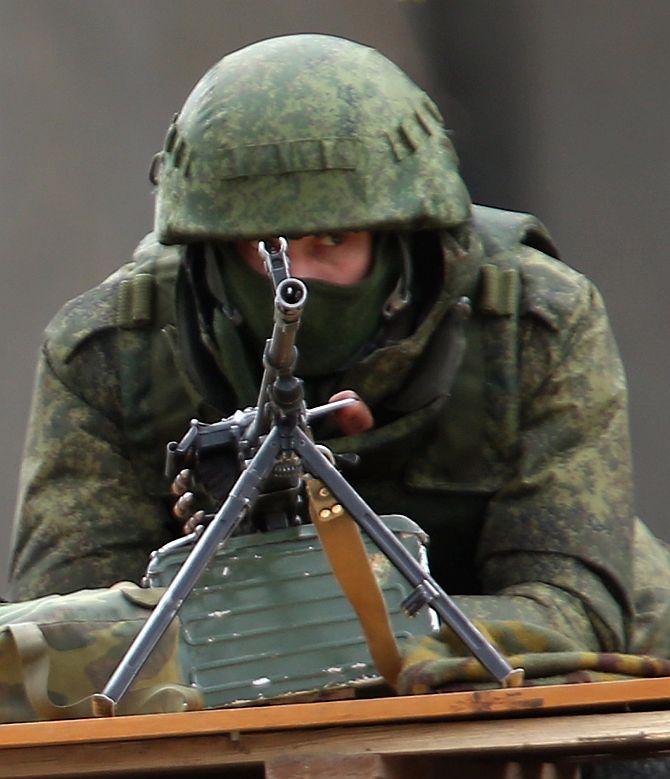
331,239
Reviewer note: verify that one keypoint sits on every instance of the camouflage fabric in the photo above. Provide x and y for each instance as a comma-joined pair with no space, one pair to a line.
301,135
56,652
522,479
548,655
519,469
650,632
442,664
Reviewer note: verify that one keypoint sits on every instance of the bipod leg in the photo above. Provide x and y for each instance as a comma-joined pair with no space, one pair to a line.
219,529
426,590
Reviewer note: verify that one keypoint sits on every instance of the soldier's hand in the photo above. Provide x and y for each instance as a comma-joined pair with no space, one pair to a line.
183,509
353,419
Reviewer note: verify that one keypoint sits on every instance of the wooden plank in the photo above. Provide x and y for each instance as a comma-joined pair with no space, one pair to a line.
447,706
544,739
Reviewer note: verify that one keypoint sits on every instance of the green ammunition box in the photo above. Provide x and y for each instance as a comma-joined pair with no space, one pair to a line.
268,619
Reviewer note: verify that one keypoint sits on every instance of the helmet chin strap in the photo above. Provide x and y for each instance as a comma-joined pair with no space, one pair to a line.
401,296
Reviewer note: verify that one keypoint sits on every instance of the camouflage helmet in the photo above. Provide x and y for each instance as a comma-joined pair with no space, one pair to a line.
305,134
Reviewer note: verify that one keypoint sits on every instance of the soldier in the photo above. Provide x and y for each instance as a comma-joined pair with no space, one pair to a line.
517,464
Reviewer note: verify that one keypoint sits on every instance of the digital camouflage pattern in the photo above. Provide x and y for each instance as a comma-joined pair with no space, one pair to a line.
520,471
524,491
442,664
548,655
301,135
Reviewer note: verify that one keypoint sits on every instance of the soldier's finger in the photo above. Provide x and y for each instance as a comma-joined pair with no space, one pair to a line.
353,419
183,508
197,519
181,483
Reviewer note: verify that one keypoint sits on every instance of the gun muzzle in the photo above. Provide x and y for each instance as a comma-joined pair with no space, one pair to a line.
290,299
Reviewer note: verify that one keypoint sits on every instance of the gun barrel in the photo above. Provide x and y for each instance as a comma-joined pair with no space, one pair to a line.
280,355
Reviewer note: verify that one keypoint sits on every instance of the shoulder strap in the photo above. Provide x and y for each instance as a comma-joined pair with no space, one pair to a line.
342,543
136,295
155,397
146,294
502,233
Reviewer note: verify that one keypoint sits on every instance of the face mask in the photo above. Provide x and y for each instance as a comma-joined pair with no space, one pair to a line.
339,322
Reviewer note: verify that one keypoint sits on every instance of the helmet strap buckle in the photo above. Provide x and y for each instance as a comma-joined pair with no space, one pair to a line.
401,296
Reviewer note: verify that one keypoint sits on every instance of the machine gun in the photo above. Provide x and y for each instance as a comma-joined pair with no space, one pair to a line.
269,449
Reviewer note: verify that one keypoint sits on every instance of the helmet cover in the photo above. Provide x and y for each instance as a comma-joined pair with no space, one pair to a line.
305,134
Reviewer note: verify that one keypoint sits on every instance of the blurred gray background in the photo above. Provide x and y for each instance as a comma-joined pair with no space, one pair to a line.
558,107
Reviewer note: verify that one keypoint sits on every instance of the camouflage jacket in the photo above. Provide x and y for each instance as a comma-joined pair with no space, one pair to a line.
520,472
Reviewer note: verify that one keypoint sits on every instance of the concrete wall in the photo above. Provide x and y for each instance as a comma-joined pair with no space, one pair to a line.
559,108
